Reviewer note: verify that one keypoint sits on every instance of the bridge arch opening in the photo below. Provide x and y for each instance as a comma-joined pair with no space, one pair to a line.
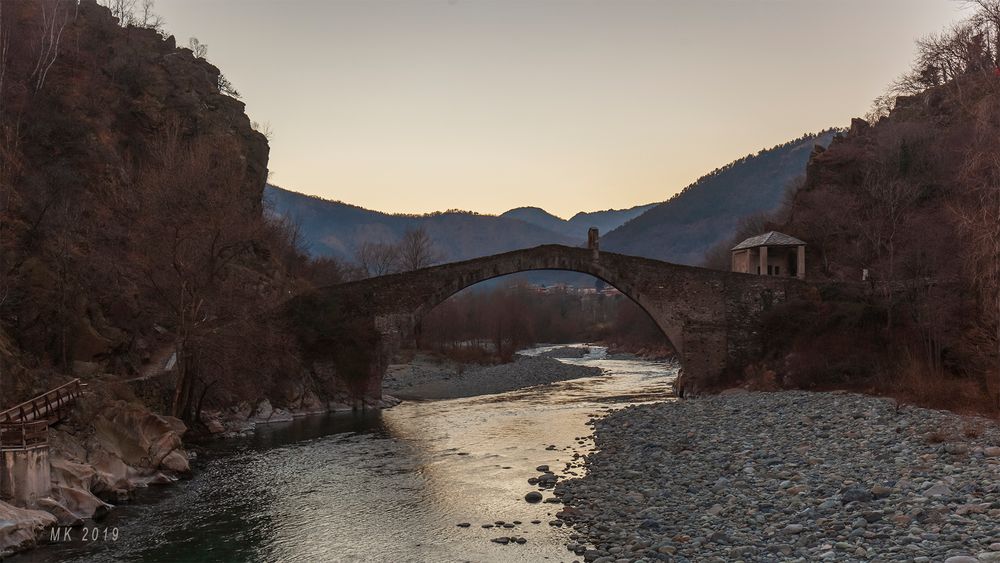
493,318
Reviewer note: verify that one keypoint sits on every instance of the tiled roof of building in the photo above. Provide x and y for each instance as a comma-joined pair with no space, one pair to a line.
772,238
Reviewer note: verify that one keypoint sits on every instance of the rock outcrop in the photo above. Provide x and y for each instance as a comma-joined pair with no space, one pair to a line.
94,465
141,439
20,527
105,450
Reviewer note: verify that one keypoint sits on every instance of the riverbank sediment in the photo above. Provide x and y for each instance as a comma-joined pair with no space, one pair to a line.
423,380
787,476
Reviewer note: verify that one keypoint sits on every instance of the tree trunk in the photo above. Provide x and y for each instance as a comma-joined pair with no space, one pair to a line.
181,407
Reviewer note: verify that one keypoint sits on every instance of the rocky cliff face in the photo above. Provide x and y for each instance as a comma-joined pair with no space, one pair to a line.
110,93
75,146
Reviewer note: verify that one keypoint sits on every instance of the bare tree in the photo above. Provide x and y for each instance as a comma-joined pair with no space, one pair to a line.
980,219
825,227
264,129
194,234
199,49
285,231
124,10
4,52
987,19
226,87
889,200
416,249
377,258
943,57
966,47
135,13
55,15
882,106
149,19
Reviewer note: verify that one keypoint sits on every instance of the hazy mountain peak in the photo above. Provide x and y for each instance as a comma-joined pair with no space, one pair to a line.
577,226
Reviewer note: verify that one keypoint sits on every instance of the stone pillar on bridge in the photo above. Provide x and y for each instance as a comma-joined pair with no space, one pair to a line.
704,354
594,242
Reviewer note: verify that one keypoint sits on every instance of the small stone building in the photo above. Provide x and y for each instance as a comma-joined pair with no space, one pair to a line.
770,254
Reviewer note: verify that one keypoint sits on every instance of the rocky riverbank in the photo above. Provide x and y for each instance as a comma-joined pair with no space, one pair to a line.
243,418
106,450
421,379
787,476
113,445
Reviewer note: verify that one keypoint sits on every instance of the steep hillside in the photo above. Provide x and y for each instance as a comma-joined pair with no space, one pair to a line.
902,217
132,225
577,226
914,201
683,228
336,229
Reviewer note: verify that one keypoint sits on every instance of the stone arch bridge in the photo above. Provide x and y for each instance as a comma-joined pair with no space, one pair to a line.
710,317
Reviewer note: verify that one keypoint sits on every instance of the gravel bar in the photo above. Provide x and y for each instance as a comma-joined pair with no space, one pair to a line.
788,476
524,371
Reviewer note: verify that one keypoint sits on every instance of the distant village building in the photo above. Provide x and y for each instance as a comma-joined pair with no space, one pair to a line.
771,254
607,291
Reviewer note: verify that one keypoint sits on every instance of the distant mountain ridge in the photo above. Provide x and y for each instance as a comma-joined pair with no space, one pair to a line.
337,229
577,226
680,230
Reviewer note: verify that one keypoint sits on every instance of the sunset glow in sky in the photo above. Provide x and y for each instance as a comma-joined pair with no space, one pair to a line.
417,106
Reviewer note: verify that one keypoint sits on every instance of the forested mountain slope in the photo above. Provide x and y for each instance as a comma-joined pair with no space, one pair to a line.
684,227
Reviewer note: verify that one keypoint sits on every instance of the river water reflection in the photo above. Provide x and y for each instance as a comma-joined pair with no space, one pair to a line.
388,486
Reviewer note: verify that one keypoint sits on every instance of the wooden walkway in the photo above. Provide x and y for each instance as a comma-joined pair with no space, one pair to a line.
26,425
24,435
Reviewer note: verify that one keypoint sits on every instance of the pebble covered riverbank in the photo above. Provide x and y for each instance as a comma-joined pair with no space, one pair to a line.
787,476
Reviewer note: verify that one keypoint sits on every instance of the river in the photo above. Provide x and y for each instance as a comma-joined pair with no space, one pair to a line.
389,486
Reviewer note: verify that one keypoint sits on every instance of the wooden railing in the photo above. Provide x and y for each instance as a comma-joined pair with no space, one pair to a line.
23,435
52,405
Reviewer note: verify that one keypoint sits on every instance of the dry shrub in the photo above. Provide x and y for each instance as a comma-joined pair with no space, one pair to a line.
937,437
972,430
838,340
918,384
825,341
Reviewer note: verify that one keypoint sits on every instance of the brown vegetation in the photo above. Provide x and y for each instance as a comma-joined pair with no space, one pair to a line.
413,251
913,199
131,218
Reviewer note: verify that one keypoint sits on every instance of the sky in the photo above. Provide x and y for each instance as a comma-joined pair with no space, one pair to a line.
570,105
